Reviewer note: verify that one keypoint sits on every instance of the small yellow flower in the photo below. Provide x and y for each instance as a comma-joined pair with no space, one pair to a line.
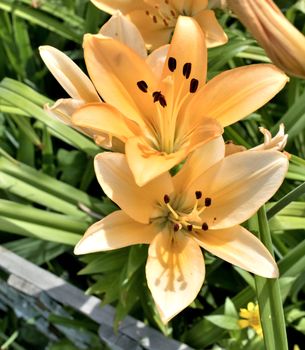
250,318
156,19
202,206
283,43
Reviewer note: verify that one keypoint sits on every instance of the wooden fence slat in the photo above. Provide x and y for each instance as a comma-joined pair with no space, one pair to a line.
131,331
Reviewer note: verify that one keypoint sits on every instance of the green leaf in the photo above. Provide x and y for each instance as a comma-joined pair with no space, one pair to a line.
223,321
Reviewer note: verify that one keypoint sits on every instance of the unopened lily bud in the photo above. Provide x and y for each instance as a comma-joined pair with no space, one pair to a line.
283,43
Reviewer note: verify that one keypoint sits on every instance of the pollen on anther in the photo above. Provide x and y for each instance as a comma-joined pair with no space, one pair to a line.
142,85
187,68
205,226
172,64
190,227
198,194
166,198
194,85
207,201
176,227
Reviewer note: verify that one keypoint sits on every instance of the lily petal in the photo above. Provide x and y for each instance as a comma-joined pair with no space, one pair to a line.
239,185
214,34
175,272
153,30
146,163
118,27
189,7
239,247
115,231
63,109
190,57
156,60
234,94
102,118
68,74
110,6
115,69
118,183
198,162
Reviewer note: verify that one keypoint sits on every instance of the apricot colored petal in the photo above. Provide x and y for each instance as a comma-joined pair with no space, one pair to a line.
234,94
189,7
155,33
214,34
120,28
198,162
175,272
68,74
118,183
110,6
156,60
239,185
239,247
115,231
146,163
115,69
63,109
190,57
103,118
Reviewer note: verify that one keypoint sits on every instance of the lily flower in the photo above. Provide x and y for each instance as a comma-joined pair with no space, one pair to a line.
202,206
283,43
163,117
156,19
250,318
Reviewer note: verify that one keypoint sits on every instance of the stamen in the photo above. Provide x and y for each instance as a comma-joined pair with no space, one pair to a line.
190,227
187,68
176,227
198,194
158,97
166,198
205,226
194,85
142,85
155,19
172,64
208,202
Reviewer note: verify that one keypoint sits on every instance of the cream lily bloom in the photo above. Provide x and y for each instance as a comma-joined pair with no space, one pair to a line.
202,206
283,43
156,19
163,118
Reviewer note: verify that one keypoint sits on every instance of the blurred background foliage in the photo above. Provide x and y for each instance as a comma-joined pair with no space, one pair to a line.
49,195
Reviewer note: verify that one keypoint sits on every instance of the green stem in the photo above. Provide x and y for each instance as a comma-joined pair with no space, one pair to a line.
269,297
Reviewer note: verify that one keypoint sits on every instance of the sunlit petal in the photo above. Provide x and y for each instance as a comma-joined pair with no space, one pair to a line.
238,185
153,30
234,94
213,31
63,109
156,60
115,231
175,272
120,28
146,163
110,6
118,183
199,162
68,74
239,247
115,69
101,118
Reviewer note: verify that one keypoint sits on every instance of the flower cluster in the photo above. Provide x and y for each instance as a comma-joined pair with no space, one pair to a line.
158,111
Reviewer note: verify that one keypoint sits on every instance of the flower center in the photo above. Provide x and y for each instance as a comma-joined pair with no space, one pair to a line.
169,103
189,219
167,15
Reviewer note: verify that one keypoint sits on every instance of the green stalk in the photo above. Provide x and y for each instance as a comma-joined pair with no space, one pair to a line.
269,297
